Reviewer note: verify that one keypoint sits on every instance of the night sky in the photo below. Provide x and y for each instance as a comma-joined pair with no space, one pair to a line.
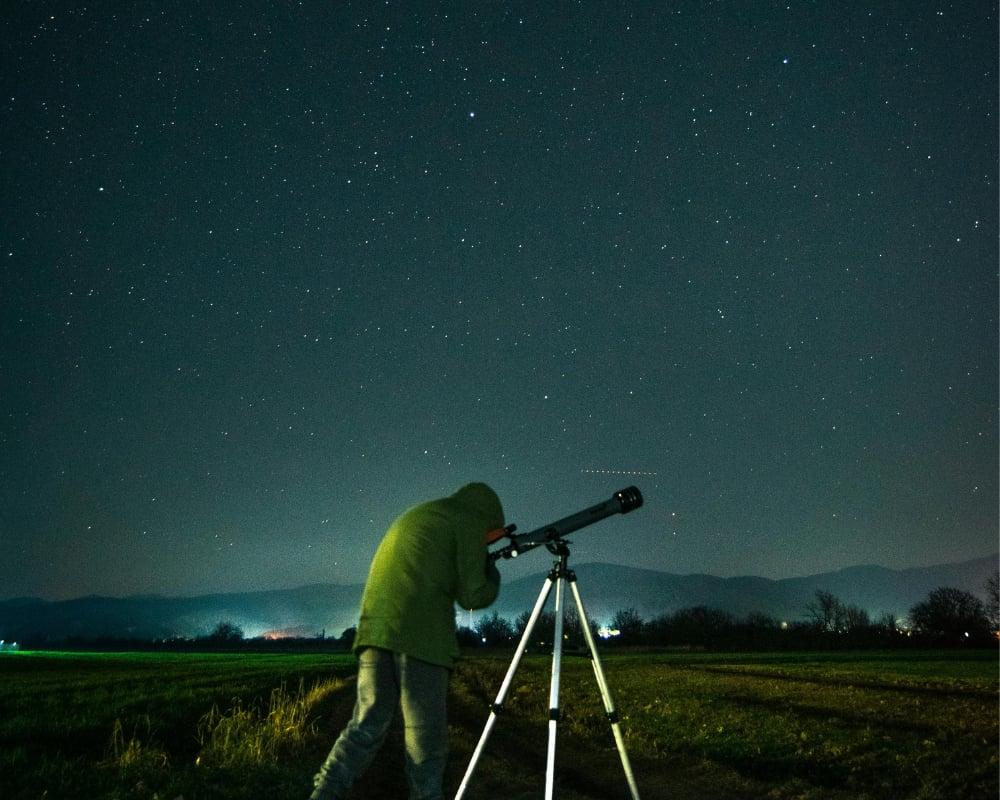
273,272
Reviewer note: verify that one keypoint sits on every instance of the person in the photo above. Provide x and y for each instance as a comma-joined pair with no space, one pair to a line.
432,556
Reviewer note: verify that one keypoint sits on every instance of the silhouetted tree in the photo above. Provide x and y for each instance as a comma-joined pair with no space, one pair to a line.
700,626
884,628
629,625
226,632
346,639
544,630
855,620
993,602
764,622
542,633
573,629
467,637
952,615
495,629
759,631
826,612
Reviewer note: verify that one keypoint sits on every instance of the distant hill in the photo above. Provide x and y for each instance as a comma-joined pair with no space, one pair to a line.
605,588
306,610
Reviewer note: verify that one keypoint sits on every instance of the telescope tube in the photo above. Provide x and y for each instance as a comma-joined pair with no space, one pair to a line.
622,502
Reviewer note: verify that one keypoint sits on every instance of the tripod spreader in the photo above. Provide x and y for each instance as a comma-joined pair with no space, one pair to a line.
621,502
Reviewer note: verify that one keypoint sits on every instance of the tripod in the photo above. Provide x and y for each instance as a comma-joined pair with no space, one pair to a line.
559,575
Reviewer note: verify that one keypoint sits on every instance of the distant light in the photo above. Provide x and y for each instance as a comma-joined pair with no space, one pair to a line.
608,633
472,114
784,626
784,60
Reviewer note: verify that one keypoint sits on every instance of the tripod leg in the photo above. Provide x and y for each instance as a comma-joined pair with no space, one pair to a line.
550,762
602,684
497,706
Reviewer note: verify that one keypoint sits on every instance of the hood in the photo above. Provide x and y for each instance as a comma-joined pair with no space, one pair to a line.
481,501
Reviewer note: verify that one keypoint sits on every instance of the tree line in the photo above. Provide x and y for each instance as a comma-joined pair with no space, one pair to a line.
946,617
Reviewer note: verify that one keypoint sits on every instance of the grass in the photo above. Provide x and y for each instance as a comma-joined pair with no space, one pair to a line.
861,725
250,735
101,725
697,725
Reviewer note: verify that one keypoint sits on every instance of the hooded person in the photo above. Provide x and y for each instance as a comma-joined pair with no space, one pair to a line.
433,556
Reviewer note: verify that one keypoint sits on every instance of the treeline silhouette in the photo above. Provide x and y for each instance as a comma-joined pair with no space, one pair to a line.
946,618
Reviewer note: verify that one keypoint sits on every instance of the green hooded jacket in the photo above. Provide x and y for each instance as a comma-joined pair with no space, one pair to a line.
432,556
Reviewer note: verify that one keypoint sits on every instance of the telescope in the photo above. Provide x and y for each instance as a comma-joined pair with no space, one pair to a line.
550,535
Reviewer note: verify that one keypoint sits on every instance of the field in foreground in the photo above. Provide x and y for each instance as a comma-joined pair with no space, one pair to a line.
203,726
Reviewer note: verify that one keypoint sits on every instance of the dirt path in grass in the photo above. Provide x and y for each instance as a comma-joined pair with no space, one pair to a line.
513,764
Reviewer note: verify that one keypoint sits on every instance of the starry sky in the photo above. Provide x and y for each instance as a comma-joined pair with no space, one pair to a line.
274,271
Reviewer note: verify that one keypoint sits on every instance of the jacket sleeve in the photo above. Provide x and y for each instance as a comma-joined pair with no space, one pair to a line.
478,578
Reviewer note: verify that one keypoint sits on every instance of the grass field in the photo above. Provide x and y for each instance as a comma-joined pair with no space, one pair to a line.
698,725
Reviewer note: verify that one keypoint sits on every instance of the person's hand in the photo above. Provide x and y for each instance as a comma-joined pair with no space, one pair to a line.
494,535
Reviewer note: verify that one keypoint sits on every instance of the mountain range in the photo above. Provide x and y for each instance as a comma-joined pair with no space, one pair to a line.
605,588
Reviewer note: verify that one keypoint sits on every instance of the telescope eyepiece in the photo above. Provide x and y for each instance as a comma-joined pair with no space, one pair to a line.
629,499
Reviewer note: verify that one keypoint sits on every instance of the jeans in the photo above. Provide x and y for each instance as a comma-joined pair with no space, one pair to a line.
387,680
